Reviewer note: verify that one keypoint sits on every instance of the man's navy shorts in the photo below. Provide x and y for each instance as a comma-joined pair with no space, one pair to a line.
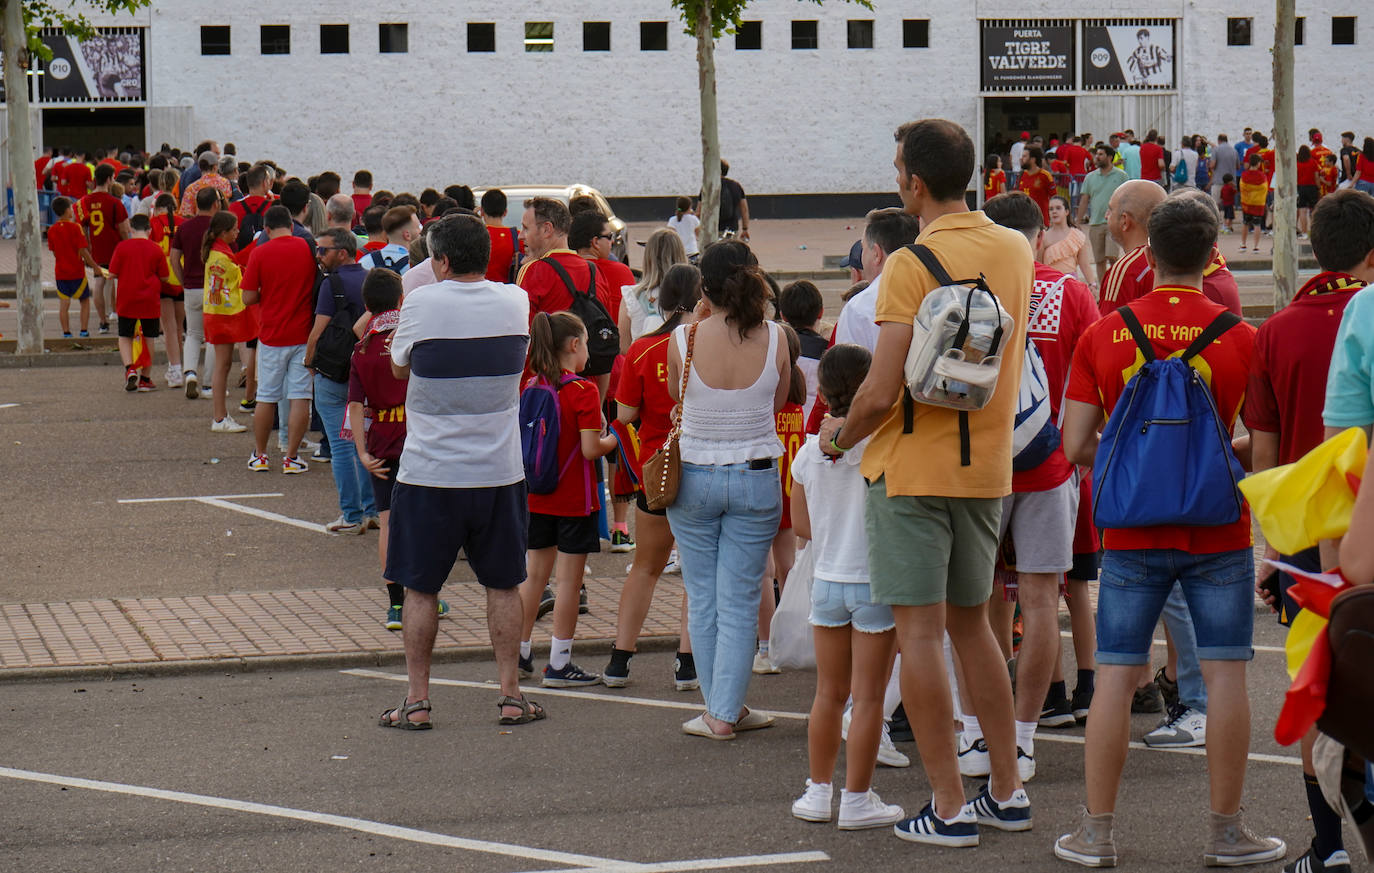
429,526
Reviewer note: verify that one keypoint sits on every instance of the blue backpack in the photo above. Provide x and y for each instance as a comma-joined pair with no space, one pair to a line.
1181,171
539,417
1165,456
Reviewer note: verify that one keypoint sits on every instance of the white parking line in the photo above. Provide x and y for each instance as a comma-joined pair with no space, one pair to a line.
381,829
222,501
200,497
8,405
1071,739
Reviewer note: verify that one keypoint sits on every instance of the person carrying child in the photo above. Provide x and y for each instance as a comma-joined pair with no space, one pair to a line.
67,241
140,266
563,522
855,637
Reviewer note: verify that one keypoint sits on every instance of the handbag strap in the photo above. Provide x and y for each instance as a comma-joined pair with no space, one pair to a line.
682,392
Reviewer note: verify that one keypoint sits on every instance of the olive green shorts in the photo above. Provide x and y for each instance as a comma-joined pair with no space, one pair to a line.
925,550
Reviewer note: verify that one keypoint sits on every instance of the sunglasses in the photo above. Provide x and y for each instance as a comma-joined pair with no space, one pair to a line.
604,236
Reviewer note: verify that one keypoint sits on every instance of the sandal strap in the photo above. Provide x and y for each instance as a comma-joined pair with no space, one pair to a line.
519,702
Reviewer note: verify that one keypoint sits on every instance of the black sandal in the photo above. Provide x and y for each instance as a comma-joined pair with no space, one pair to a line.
402,716
529,710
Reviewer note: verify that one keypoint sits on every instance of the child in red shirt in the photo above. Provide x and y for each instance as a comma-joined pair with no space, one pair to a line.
562,526
67,241
1228,201
140,266
994,179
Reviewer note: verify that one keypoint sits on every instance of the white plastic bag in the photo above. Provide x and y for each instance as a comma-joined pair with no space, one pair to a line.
790,644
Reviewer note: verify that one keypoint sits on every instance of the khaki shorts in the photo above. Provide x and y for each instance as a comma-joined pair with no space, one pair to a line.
926,550
1104,246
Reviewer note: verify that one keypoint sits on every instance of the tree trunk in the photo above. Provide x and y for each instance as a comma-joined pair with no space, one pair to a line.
1285,148
14,43
710,129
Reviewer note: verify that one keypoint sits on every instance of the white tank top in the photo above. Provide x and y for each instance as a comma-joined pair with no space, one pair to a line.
730,425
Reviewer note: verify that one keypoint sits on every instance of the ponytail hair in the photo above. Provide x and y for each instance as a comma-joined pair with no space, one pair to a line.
796,387
683,204
549,334
222,221
732,281
677,294
842,370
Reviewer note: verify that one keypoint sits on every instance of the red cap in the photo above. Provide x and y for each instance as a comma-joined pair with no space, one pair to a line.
1317,137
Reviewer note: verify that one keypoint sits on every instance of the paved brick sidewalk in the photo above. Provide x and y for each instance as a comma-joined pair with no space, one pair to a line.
135,633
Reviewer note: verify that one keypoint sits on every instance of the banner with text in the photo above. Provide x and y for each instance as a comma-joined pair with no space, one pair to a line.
106,68
1028,58
1126,56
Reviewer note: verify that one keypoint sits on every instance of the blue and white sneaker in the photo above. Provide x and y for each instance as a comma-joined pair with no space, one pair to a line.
959,832
571,676
1012,814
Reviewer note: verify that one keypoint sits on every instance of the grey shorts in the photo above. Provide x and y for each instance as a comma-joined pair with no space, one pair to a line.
1042,525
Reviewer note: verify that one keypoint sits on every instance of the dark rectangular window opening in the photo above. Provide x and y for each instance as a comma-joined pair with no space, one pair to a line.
805,35
538,36
214,39
1343,30
860,31
481,36
916,33
1238,30
393,38
596,36
333,39
276,39
653,36
1299,30
749,36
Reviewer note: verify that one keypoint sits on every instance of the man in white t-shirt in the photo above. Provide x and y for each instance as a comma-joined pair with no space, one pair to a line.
1188,156
887,231
461,483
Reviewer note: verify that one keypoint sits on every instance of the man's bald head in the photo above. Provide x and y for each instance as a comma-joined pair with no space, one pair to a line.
1128,212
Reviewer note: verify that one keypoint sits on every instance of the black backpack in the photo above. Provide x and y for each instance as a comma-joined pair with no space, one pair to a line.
334,348
380,260
603,337
251,223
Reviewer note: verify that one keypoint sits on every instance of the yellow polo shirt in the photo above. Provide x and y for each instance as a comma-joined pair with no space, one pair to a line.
926,462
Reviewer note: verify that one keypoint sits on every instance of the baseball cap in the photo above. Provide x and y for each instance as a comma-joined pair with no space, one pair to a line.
1025,134
1317,137
855,259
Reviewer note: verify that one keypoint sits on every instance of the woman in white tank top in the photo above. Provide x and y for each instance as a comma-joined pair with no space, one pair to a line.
729,502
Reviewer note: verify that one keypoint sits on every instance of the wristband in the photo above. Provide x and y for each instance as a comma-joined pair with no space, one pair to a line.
834,441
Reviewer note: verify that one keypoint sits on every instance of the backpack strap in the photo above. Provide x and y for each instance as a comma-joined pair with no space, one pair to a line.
1222,323
932,263
1138,332
562,273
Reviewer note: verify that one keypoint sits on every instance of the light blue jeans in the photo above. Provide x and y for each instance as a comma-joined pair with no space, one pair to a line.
351,478
1192,691
724,520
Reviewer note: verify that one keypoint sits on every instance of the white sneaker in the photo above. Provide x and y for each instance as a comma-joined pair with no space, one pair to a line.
227,425
673,565
762,665
174,379
867,810
343,527
192,384
309,446
973,757
1184,727
888,754
814,804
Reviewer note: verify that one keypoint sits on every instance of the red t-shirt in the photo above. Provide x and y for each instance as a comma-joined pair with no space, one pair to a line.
1151,153
1040,186
791,425
1228,195
1292,356
253,203
549,294
1062,314
994,183
579,409
1131,278
141,266
74,179
644,384
283,272
1107,357
616,276
102,213
38,167
66,239
1267,156
361,202
1328,176
502,253
1307,172
1076,157
372,383
1365,167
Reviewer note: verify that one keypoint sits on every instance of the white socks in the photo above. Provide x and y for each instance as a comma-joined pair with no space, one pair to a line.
1025,736
892,695
972,729
525,649
560,654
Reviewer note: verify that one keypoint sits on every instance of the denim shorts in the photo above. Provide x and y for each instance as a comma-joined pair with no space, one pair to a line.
282,374
836,604
1219,588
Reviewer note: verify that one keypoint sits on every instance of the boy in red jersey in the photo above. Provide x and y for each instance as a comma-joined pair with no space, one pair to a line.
140,266
67,241
107,222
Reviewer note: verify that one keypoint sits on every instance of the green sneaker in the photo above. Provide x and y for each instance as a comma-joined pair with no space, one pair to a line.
393,618
443,608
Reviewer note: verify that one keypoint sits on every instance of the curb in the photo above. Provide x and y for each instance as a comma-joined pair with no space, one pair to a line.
265,663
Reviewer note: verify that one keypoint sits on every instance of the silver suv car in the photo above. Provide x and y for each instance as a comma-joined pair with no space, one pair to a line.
516,195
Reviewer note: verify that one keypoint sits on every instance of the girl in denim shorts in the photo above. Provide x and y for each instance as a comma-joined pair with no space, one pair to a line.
855,638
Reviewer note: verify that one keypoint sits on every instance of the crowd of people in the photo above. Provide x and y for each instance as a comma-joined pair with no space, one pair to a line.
484,389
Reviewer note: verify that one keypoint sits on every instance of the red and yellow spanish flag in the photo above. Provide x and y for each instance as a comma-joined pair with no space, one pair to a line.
143,355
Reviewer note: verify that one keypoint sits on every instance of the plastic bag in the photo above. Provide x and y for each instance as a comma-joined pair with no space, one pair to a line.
790,644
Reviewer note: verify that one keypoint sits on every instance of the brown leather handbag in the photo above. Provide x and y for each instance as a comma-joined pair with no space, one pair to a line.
663,470
1350,689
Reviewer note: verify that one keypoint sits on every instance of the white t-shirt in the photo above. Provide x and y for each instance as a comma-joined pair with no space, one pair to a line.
418,276
685,226
645,316
835,493
1189,158
857,322
465,343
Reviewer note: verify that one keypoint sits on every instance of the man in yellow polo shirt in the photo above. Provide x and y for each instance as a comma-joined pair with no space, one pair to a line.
935,494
